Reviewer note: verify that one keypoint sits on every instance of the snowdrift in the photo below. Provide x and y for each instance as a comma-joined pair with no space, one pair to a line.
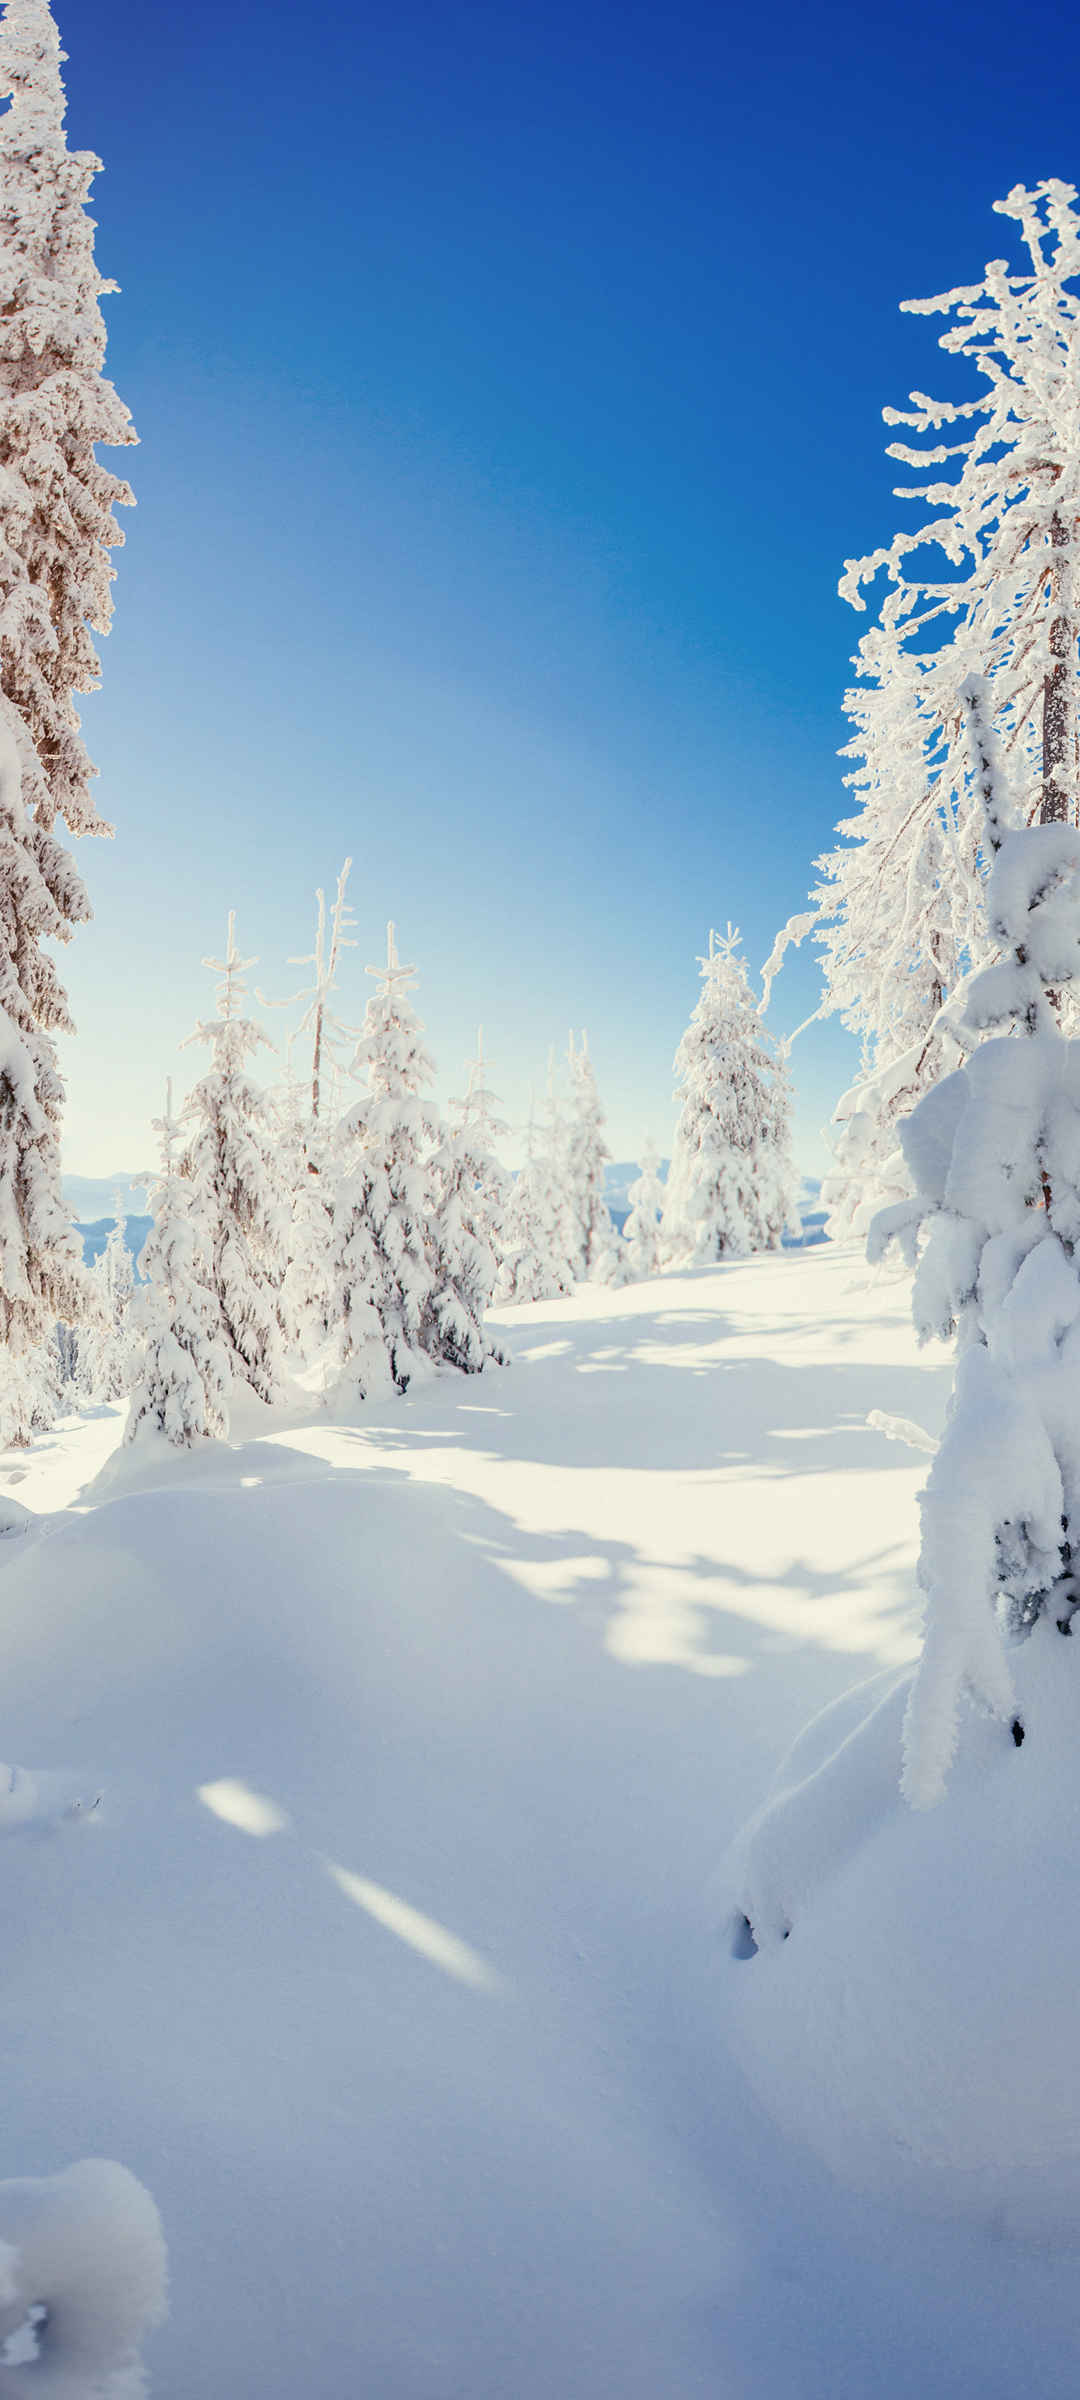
82,2279
904,1984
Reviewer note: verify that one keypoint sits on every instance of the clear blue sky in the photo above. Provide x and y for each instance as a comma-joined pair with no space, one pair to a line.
509,385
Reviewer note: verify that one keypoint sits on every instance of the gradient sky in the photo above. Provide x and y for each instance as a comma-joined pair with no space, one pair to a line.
509,386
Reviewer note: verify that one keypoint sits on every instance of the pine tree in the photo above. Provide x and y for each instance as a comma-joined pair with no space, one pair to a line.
642,1230
468,1225
382,1243
238,1208
595,1252
56,529
731,1186
105,1355
184,1371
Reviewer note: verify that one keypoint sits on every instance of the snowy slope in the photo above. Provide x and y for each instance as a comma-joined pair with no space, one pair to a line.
386,1961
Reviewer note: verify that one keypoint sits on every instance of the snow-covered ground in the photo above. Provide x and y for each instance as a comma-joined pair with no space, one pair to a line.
388,1960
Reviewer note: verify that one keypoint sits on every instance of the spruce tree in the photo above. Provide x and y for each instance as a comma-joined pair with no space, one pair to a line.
468,1225
534,1263
56,530
105,1357
984,584
595,1253
184,1371
731,1187
382,1241
56,523
994,1231
239,1208
642,1230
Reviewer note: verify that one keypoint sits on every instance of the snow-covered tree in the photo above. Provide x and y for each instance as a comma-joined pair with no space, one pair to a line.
42,1279
104,1362
642,1230
239,1209
531,1267
595,1246
731,1186
472,1193
56,529
383,1259
184,1369
320,1026
984,584
31,1392
56,511
994,1229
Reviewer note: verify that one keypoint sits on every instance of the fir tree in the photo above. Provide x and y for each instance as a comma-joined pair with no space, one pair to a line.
534,1266
238,1208
994,1156
56,529
184,1369
31,1392
594,1254
642,1230
41,1270
468,1225
105,1358
319,1025
899,913
540,1234
56,521
731,1186
382,1241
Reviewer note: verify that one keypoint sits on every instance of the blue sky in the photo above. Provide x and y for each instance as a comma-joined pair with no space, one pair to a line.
509,388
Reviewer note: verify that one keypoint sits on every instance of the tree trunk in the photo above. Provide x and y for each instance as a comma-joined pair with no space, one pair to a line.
1059,686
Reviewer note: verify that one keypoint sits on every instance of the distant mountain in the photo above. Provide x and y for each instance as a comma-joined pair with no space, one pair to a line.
93,1196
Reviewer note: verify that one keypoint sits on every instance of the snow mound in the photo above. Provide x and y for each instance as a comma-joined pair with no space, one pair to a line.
903,1983
41,1802
82,2279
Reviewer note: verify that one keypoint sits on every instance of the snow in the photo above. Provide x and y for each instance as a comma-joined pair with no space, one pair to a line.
393,1961
384,1961
917,2026
82,2276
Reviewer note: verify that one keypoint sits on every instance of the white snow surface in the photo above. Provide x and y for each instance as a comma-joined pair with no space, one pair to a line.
391,1961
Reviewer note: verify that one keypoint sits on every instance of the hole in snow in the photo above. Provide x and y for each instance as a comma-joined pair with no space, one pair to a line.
743,1944
1017,1731
23,2346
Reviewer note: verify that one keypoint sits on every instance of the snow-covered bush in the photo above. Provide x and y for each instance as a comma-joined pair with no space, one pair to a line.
731,1186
